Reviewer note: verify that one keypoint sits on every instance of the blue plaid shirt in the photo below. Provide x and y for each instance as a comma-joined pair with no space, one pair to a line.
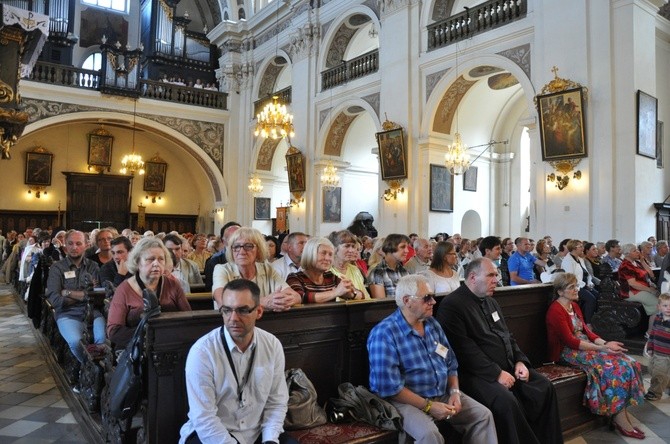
399,358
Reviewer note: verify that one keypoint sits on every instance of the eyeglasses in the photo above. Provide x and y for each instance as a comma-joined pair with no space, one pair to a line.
247,247
241,311
426,299
572,287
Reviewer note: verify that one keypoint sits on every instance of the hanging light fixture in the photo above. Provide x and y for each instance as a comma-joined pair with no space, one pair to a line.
255,185
132,162
457,159
329,177
275,121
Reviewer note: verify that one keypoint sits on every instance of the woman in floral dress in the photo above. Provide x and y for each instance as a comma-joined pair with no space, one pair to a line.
614,379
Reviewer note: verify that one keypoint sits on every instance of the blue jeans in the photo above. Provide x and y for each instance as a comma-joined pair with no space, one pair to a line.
72,331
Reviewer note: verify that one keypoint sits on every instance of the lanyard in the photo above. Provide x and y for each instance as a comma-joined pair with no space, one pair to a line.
143,287
240,388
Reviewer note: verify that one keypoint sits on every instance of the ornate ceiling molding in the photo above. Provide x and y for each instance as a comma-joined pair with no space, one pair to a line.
519,55
266,154
433,79
446,110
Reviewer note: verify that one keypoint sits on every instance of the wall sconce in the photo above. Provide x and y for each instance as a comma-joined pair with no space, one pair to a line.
37,190
217,210
564,167
392,193
296,200
153,197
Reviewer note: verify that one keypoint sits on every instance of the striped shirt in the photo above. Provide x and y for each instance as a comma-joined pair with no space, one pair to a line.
304,286
659,339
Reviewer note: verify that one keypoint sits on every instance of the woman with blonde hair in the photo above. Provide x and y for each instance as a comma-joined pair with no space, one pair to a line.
247,253
316,282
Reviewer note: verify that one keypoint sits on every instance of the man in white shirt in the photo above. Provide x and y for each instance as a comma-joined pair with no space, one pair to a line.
421,260
235,377
290,263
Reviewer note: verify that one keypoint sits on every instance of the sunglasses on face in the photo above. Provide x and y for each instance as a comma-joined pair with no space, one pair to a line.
426,299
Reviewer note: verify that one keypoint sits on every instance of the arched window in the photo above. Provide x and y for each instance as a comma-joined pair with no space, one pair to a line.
93,62
114,5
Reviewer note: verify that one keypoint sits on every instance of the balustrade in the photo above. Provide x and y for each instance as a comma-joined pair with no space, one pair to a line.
349,70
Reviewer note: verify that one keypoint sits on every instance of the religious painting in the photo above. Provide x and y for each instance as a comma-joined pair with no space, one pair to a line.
38,167
562,125
295,166
659,144
100,148
262,208
441,189
470,179
332,204
155,171
392,154
647,113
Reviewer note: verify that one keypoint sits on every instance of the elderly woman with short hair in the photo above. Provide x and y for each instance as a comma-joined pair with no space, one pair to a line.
315,282
635,283
247,253
148,261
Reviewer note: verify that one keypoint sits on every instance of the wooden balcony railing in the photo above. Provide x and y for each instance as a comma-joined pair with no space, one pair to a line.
83,78
284,95
183,94
483,17
65,75
351,69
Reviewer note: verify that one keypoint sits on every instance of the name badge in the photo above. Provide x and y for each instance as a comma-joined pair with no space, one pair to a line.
495,316
441,350
70,274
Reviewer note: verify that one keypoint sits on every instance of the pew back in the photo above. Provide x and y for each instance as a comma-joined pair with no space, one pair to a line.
328,341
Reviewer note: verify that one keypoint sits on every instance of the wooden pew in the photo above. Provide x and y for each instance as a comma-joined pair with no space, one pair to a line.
328,341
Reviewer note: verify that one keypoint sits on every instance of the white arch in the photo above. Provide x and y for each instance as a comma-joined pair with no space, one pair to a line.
215,177
263,68
335,110
466,63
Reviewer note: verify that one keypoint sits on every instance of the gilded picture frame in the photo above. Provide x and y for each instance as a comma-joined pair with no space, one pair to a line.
295,167
392,154
155,173
39,164
100,144
562,125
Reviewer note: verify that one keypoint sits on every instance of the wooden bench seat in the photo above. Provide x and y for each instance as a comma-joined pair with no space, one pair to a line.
350,433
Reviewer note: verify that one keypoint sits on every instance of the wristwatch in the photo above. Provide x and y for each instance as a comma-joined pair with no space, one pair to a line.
452,391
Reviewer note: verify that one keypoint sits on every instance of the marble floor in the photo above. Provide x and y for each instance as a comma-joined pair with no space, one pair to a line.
37,406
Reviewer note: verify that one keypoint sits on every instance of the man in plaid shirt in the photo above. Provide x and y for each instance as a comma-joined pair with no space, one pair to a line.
412,365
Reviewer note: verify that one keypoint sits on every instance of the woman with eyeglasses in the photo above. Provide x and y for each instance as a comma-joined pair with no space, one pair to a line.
147,261
315,283
614,379
247,253
441,275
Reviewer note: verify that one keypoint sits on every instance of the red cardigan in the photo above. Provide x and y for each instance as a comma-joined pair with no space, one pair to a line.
559,330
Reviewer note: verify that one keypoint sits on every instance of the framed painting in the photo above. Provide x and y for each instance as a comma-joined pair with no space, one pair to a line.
441,189
332,205
562,124
155,171
647,116
392,154
295,166
100,148
470,179
38,167
659,144
262,208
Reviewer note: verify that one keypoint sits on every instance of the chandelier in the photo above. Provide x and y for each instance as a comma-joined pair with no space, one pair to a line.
329,177
274,121
131,163
255,185
457,159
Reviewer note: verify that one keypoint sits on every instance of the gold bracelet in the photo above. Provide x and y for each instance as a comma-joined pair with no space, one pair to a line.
429,404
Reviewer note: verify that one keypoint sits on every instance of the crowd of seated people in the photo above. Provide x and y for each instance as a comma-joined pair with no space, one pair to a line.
301,269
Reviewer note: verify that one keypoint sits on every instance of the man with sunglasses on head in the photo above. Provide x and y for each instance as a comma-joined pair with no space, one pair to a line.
235,382
413,366
494,370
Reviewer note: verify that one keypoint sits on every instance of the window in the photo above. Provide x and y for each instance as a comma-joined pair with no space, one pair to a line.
93,62
114,5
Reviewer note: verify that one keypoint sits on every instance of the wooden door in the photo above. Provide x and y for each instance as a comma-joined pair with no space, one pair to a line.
97,200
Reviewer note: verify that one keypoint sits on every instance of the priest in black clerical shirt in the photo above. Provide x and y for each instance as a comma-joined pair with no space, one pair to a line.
492,368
